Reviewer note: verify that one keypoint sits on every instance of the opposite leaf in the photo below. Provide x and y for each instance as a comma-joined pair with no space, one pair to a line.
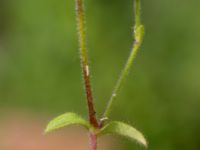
124,130
66,120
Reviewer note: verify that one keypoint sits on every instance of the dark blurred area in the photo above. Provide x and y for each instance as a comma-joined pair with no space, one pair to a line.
40,71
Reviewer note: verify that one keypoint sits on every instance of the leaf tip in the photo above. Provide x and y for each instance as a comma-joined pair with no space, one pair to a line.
144,142
47,130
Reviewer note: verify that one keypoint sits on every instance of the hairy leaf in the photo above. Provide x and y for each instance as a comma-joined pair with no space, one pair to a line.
66,120
125,130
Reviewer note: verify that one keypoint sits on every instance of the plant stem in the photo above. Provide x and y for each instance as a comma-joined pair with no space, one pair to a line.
93,141
138,37
137,13
80,16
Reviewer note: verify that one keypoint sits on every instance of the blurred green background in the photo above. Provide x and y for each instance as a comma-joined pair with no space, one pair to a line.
40,72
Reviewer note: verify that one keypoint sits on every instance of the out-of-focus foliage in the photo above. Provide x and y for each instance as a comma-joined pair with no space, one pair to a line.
39,63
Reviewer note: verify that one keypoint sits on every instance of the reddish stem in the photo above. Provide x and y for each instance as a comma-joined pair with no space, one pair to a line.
84,62
93,141
91,111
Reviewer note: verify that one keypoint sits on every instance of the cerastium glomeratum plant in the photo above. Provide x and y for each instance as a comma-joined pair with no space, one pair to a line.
101,126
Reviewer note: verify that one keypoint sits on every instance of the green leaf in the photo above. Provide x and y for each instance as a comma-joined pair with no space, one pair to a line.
66,120
125,130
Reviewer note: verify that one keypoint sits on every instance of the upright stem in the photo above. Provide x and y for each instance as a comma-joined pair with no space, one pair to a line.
93,141
137,13
138,37
80,16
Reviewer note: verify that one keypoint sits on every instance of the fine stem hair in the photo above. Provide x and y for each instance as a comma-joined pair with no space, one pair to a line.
80,18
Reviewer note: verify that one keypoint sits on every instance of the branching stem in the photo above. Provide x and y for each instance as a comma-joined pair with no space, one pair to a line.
84,61
138,37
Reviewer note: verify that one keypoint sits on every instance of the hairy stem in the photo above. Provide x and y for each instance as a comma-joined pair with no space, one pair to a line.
138,37
84,61
93,141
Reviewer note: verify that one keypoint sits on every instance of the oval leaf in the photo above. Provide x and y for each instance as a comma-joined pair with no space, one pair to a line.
125,130
66,120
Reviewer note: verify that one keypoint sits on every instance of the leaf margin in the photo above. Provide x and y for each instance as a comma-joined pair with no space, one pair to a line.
120,128
64,120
